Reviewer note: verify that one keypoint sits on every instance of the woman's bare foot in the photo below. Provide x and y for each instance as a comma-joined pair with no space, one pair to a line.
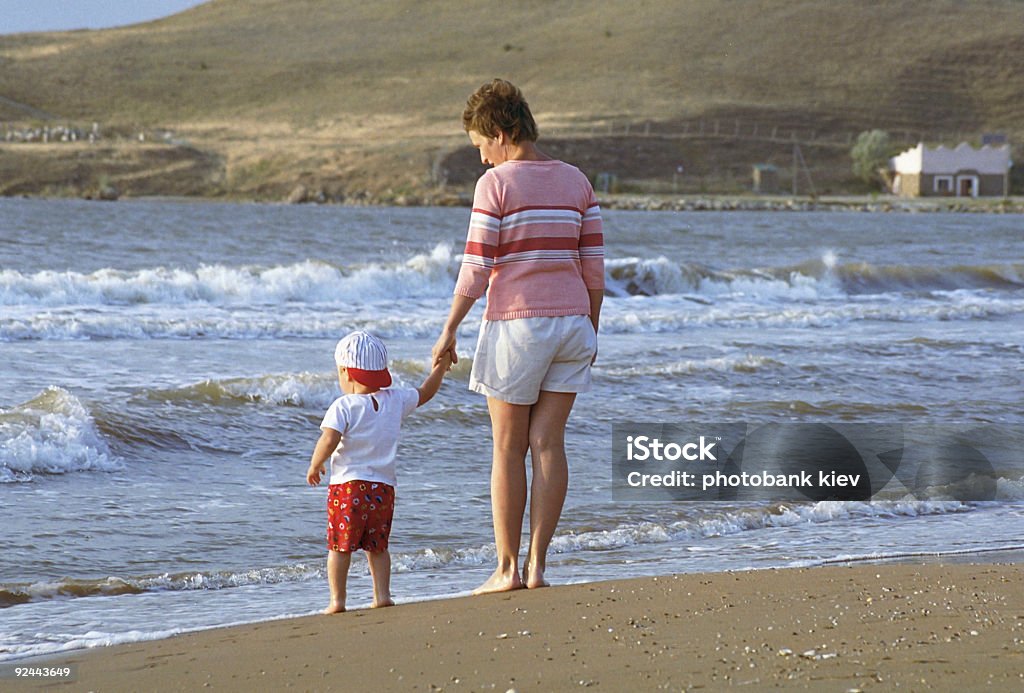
334,608
500,582
533,578
382,603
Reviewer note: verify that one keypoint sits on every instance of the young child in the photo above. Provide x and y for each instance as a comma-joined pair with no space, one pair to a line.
360,436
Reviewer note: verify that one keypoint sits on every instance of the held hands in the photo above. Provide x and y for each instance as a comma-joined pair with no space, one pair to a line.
444,361
445,346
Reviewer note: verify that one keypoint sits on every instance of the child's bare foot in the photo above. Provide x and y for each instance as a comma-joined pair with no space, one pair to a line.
334,608
500,582
382,603
533,578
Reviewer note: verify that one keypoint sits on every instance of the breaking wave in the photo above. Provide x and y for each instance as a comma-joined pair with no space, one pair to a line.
433,274
305,282
819,278
51,434
305,389
408,299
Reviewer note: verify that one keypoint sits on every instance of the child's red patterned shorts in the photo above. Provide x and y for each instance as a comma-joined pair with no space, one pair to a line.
359,516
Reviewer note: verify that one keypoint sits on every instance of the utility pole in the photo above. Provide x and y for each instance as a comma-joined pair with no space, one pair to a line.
798,158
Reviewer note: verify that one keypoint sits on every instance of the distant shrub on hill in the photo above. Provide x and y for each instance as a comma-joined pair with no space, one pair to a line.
870,155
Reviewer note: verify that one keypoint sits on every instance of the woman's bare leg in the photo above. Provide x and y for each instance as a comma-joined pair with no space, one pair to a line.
510,427
550,478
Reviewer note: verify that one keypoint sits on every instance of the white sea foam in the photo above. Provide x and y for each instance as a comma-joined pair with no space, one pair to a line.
204,322
824,277
666,314
709,525
746,363
51,434
434,273
305,389
660,276
55,643
400,298
705,525
1010,489
895,555
293,389
305,282
66,642
733,522
419,317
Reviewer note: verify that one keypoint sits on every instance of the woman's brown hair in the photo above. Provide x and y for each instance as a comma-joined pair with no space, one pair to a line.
500,105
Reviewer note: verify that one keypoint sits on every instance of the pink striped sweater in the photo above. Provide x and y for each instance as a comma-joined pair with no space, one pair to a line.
535,242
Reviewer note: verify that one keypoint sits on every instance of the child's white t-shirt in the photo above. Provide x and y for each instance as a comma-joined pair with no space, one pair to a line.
369,437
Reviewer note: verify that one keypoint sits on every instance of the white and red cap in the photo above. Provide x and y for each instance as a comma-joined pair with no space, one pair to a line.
365,357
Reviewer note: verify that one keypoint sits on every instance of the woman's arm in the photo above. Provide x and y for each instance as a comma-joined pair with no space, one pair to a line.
461,306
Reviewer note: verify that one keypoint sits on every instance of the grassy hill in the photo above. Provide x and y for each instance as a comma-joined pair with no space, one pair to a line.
347,96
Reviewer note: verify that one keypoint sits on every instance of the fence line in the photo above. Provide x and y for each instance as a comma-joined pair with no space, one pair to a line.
735,129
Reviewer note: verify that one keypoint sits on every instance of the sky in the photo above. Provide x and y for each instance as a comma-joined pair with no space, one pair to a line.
18,16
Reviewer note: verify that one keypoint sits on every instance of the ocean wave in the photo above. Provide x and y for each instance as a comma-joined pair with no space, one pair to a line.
661,276
305,282
1010,489
421,319
818,278
433,274
747,363
897,555
664,314
51,434
709,524
69,588
706,525
304,389
191,323
735,521
66,642
408,299
293,389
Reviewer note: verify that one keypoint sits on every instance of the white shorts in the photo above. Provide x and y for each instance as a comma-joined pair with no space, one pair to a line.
516,359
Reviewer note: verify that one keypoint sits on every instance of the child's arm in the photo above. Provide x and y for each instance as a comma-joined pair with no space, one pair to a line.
328,443
432,384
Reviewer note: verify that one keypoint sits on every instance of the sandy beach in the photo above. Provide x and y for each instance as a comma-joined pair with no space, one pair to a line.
948,627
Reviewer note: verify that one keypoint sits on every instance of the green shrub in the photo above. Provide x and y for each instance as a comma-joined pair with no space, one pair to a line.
871,154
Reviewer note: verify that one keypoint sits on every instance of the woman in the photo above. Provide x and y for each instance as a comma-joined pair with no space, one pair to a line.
535,245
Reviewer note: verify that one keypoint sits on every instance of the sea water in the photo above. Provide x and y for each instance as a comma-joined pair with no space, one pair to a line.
164,367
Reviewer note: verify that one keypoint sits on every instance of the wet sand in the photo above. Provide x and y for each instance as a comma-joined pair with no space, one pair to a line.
922,627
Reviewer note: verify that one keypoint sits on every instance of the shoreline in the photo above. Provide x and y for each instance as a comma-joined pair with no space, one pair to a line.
943,625
634,202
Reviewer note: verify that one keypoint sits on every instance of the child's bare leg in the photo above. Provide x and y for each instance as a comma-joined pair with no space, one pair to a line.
380,571
338,563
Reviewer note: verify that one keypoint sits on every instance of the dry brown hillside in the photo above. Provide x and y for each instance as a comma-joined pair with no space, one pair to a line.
346,96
